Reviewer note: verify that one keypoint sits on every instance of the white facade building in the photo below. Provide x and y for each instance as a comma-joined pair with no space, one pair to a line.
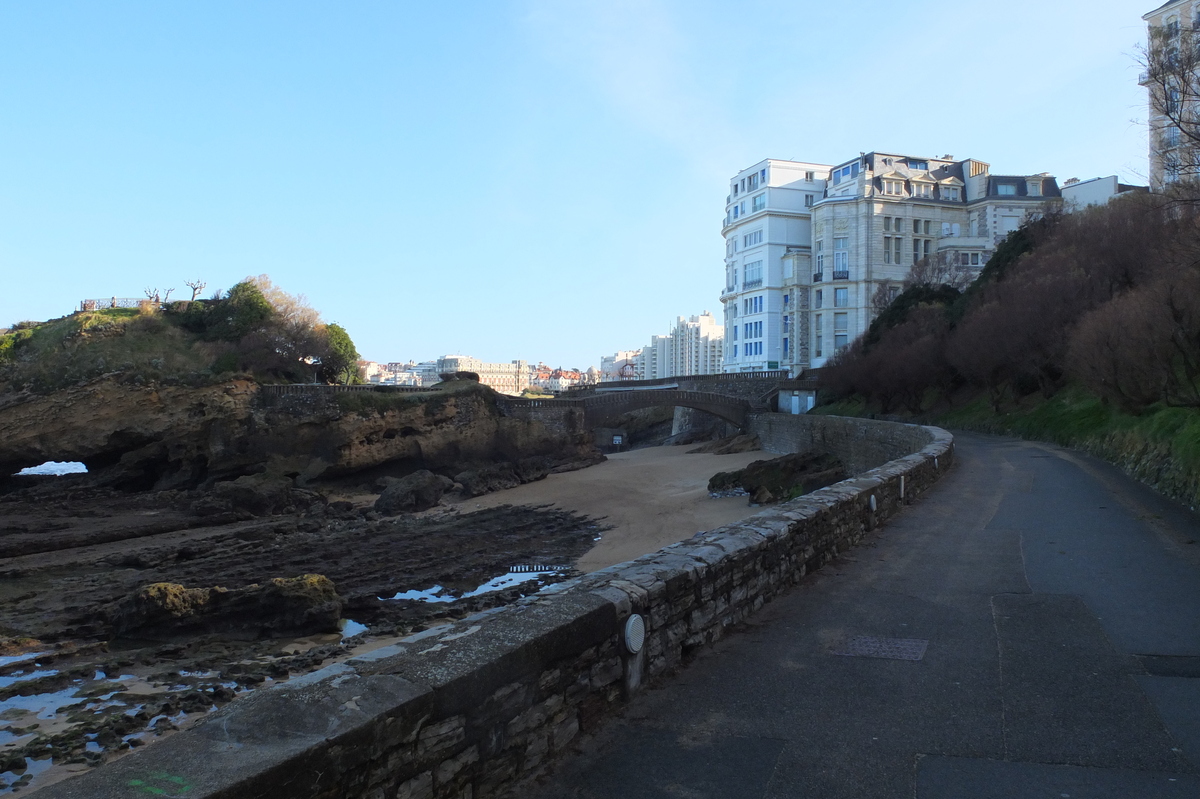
876,216
1079,194
694,346
768,217
1172,156
507,378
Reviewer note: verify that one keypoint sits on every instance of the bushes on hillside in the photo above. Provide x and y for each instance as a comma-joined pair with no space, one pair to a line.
1109,296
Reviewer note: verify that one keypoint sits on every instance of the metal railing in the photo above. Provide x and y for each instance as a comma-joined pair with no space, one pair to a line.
844,275
116,302
751,284
818,277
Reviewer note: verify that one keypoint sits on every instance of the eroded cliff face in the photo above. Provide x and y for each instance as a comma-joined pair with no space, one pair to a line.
176,437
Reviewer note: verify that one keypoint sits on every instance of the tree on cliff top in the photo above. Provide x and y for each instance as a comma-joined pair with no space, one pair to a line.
341,362
243,311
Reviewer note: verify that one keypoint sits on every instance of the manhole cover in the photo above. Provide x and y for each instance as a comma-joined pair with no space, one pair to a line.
866,646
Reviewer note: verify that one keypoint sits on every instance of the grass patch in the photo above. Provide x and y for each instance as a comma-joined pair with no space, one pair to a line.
1160,447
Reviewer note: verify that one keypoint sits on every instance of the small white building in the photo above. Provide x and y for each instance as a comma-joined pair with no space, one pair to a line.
1079,194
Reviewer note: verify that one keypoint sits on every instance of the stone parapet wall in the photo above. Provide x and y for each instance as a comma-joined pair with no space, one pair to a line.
861,444
473,709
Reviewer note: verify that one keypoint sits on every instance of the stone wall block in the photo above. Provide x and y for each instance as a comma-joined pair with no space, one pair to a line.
449,768
440,737
419,787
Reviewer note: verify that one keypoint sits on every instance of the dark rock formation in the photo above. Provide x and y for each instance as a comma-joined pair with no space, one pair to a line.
306,604
486,479
781,478
176,437
421,490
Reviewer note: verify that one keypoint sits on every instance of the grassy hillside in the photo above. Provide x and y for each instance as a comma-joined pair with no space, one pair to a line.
45,356
1160,447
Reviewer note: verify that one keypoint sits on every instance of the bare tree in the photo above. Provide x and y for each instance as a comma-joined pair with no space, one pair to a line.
155,296
940,270
196,286
1171,73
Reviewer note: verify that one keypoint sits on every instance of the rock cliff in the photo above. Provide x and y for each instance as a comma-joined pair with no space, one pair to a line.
161,437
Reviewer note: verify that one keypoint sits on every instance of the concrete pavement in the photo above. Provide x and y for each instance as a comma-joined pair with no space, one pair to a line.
1061,605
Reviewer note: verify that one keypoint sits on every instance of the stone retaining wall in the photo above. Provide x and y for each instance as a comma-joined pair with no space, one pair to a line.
473,709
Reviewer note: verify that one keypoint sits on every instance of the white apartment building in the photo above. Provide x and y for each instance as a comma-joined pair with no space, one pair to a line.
876,217
694,346
768,217
507,378
1171,25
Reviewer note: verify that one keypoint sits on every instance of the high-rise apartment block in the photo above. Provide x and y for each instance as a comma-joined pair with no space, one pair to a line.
694,346
811,249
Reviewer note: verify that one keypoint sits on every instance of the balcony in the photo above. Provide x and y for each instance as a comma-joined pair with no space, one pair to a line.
751,284
843,275
729,290
818,277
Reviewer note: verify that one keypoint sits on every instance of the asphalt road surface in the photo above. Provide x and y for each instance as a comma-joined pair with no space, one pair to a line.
1054,605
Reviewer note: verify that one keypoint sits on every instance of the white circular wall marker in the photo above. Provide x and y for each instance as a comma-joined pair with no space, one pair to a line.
635,633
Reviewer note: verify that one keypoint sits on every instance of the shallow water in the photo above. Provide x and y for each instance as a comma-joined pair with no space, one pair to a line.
56,467
22,676
516,576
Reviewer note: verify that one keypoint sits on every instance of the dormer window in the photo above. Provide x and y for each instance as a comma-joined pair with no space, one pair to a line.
921,165
950,193
1034,187
1006,189
894,187
923,190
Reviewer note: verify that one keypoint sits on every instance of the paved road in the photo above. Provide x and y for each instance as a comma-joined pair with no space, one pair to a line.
1061,605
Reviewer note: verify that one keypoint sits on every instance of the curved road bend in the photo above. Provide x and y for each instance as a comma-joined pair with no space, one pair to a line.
1061,605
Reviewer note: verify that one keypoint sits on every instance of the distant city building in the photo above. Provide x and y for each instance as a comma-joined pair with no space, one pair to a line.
557,380
371,372
507,378
1079,194
808,247
622,365
694,346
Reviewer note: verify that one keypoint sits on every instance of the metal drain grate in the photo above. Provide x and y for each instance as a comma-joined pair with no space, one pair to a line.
866,646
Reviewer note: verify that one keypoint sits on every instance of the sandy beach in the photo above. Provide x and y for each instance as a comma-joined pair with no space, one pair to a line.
653,497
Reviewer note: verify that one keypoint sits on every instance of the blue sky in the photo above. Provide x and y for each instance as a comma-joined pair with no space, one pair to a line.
536,179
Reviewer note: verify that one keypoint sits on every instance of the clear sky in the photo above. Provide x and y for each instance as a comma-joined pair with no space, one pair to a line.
536,179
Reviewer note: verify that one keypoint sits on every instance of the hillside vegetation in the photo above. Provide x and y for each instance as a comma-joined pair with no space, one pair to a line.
1083,329
255,329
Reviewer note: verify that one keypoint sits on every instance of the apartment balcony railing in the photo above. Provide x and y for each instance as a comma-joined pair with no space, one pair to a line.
751,284
842,275
818,277
729,290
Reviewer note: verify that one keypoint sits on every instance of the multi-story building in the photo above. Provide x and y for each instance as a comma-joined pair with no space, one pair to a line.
694,346
876,217
768,234
507,378
621,365
1171,41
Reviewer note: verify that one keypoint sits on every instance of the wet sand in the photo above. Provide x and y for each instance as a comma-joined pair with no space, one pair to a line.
652,497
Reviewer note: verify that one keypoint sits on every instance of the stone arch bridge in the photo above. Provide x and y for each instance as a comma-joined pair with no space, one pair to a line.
731,397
